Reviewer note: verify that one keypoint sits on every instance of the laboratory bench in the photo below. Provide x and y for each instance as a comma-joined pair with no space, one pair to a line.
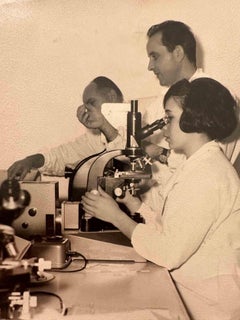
109,290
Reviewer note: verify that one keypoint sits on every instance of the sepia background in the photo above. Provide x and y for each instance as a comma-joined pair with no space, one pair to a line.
51,49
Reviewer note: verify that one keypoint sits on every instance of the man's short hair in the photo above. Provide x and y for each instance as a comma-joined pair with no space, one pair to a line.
104,84
176,33
208,107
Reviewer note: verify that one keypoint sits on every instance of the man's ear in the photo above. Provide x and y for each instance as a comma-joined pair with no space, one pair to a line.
112,96
179,53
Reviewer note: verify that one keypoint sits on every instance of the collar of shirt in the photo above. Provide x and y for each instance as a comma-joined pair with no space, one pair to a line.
199,73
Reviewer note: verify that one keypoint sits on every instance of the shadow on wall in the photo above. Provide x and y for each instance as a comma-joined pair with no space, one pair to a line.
200,54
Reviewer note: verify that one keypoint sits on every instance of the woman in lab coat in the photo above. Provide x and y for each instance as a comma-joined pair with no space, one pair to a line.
197,235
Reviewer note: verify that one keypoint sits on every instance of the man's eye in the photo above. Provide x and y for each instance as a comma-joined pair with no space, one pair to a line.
154,57
92,102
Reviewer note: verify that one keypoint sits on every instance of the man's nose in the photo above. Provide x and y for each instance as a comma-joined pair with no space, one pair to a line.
150,65
80,109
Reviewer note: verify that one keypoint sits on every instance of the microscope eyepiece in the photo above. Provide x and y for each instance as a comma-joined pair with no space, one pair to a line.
150,128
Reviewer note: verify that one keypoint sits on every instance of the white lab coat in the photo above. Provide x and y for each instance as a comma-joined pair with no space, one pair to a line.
72,152
197,235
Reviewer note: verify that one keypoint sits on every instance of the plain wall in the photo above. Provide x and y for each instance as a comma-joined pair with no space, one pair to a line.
51,49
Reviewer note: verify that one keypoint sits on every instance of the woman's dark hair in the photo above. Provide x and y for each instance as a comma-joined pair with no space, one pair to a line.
208,107
104,84
176,33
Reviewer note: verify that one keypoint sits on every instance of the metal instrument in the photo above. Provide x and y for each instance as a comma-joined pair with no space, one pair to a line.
115,171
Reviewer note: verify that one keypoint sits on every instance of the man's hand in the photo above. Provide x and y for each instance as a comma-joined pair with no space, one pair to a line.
90,116
20,168
156,152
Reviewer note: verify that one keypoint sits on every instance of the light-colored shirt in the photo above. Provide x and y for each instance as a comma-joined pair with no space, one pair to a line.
197,234
72,152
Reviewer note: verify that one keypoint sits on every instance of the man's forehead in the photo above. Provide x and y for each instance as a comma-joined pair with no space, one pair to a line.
154,42
156,38
90,90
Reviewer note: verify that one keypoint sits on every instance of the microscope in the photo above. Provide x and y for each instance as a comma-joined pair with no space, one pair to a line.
13,200
15,274
115,171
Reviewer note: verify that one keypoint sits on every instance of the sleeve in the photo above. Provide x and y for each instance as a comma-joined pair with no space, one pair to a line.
90,143
118,143
72,152
188,214
148,214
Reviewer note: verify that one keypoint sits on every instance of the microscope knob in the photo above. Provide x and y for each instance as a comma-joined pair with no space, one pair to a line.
119,192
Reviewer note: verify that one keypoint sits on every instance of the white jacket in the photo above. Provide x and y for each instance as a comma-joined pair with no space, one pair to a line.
72,152
197,235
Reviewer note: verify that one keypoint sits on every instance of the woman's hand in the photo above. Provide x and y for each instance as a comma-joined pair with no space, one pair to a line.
101,205
131,202
104,207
